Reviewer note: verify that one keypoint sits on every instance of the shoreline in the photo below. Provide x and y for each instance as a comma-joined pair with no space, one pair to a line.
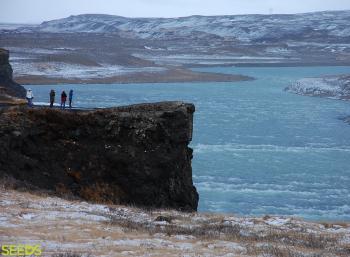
270,65
181,75
170,76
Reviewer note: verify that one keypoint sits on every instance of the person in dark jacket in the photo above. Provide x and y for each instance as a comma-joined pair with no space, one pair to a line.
63,100
52,97
70,98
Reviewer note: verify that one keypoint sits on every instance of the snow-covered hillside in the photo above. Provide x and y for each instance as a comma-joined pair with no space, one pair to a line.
331,87
320,26
90,42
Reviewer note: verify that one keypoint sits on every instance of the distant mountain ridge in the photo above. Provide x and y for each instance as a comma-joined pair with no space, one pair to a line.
328,26
95,43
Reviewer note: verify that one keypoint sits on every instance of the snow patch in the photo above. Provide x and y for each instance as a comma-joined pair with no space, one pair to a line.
331,87
65,70
277,221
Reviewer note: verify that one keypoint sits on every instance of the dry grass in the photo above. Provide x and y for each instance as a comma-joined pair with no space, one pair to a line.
273,241
9,100
334,224
67,255
275,250
203,231
280,251
82,228
10,183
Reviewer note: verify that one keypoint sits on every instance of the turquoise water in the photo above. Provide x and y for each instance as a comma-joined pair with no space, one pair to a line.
257,149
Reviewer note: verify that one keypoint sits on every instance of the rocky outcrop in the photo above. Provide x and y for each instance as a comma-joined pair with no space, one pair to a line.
135,155
7,85
335,87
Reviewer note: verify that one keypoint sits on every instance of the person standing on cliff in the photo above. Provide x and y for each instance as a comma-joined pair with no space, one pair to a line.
70,98
52,97
63,99
30,97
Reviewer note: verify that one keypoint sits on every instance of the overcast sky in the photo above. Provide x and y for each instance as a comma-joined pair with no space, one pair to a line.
36,11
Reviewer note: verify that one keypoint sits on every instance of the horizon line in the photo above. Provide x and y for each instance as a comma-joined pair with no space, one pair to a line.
172,17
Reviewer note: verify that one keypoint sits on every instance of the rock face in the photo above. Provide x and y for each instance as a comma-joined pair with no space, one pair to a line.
7,85
128,155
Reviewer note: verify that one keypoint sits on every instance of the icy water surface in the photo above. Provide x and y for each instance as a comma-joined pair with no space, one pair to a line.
257,149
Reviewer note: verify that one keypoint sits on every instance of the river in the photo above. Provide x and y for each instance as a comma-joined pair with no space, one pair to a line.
257,149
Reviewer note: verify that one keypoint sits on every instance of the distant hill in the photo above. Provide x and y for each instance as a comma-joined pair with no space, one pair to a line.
332,26
100,46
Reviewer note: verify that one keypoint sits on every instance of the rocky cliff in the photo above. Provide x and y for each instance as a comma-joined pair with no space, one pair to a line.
135,155
7,85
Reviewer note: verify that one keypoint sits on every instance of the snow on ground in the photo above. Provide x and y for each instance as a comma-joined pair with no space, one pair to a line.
245,28
108,230
13,26
33,62
28,51
332,87
203,59
279,51
66,70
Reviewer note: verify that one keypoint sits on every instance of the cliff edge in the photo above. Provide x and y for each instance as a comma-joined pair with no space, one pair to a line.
8,88
135,155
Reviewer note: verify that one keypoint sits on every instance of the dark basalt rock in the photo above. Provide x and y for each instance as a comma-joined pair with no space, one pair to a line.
135,155
7,85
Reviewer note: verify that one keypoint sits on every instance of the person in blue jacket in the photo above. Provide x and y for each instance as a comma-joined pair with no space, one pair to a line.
70,98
